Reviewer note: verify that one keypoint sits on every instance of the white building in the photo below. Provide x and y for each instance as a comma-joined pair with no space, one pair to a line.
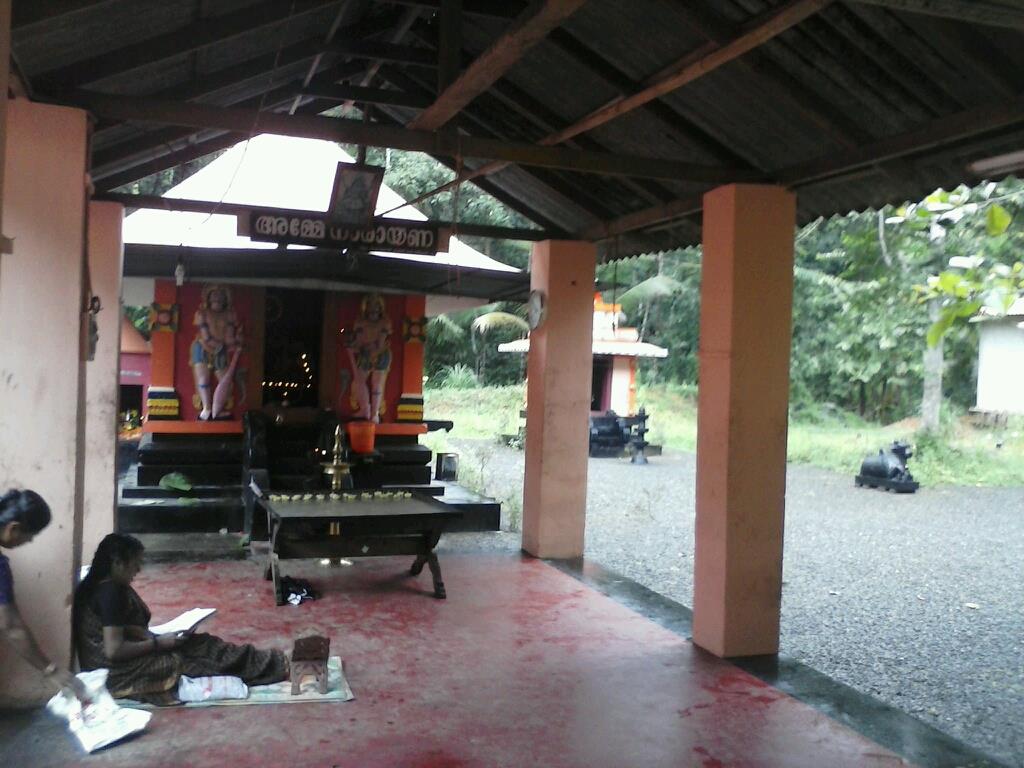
1001,362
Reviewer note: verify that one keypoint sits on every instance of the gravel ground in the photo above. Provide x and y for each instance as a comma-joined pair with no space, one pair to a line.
917,600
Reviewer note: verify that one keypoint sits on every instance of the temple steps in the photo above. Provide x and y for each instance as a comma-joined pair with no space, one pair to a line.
181,514
212,464
479,513
193,547
197,492
201,474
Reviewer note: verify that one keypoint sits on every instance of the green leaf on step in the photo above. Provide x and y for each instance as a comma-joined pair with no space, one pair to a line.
175,481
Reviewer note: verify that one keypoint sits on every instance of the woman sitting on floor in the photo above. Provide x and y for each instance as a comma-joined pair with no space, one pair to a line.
112,631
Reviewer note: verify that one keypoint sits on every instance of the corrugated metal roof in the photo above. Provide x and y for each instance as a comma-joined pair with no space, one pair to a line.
854,75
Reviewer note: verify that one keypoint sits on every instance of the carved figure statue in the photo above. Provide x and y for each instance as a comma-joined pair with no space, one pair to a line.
369,352
216,348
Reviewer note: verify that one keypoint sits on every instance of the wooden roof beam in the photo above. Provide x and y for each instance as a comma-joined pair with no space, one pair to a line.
355,132
386,52
109,157
529,28
192,37
170,159
493,9
395,35
591,61
236,209
567,195
943,132
705,59
315,64
364,95
691,67
994,13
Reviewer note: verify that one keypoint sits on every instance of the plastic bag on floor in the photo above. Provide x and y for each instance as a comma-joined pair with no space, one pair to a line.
212,688
298,590
101,722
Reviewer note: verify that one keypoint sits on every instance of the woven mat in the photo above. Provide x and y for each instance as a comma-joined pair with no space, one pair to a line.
280,693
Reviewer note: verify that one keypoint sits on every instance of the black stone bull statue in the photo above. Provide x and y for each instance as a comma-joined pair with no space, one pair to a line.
888,470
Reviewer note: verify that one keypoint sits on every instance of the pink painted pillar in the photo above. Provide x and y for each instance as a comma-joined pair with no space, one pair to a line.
102,382
5,78
42,368
558,400
745,328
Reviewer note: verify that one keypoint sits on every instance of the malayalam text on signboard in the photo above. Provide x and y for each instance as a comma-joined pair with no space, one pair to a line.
390,235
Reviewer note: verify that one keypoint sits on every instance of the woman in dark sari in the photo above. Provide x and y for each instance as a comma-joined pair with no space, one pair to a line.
112,632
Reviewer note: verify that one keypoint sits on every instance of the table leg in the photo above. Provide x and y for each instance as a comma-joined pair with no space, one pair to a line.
417,565
275,571
435,572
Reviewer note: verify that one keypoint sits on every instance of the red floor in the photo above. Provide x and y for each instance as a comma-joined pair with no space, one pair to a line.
521,666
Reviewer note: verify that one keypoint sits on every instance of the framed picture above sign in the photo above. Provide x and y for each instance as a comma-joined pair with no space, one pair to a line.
354,195
389,235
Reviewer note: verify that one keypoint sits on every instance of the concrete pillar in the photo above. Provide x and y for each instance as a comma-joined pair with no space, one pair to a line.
558,397
42,379
102,375
745,328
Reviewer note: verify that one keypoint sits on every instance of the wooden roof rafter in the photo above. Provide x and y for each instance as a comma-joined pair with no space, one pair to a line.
478,124
529,107
863,103
528,29
696,64
268,95
205,206
404,24
947,131
203,116
339,17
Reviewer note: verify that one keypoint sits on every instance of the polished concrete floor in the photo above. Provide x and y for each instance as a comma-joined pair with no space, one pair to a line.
522,665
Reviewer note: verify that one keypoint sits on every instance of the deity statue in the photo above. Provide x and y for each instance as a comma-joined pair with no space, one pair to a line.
217,347
369,352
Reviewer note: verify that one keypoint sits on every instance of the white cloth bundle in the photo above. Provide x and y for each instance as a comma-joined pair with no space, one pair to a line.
212,688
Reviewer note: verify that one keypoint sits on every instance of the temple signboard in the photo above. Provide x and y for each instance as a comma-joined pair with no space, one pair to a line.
391,235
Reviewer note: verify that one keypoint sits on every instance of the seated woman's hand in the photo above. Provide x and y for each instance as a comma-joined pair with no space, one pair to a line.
69,682
170,640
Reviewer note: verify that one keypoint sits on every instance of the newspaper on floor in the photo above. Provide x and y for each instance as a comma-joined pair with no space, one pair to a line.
101,722
186,622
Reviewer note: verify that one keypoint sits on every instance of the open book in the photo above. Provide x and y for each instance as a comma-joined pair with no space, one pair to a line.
186,622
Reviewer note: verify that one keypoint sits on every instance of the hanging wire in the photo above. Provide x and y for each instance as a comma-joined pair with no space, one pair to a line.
455,219
255,121
615,295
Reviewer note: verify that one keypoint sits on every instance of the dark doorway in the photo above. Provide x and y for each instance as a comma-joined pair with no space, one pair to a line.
291,367
599,384
129,406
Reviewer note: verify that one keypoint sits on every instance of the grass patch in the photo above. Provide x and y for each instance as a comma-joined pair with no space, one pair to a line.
960,455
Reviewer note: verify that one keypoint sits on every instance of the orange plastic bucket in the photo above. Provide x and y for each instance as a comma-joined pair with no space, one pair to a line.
361,435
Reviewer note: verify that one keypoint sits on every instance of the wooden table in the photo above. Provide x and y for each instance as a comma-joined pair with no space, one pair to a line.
356,528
